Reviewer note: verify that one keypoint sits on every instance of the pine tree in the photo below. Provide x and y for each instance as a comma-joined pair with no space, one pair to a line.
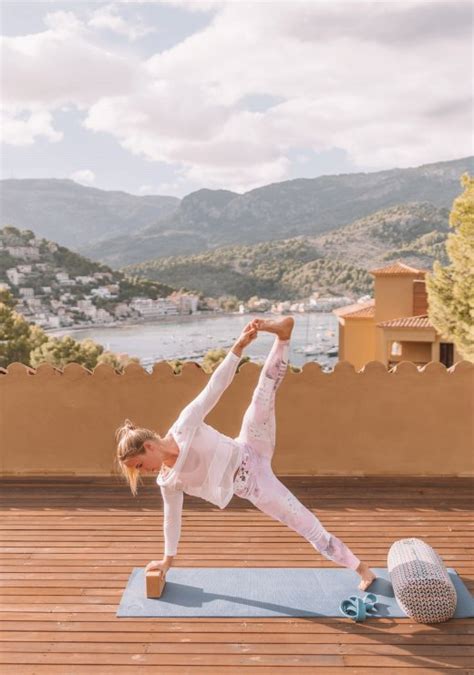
451,289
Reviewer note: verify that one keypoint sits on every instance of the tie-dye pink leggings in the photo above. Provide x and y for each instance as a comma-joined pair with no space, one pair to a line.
255,479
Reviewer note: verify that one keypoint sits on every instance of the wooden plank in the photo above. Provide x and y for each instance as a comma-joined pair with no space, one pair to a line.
59,597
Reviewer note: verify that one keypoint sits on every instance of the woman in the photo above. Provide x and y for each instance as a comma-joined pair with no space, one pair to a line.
197,459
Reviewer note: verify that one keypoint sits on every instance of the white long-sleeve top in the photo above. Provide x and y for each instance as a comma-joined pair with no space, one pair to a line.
207,459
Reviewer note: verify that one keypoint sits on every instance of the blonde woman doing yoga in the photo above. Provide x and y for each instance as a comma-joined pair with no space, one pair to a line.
197,459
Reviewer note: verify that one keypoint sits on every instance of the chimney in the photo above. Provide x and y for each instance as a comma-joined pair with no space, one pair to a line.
420,298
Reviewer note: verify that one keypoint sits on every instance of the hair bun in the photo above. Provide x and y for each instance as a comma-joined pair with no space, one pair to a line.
129,425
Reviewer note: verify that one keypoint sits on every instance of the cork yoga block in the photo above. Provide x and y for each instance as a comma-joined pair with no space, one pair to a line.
155,582
420,581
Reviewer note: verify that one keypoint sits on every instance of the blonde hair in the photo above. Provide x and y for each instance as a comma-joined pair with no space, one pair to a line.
130,440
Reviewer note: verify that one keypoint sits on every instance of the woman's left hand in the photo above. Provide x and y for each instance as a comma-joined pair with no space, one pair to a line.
248,334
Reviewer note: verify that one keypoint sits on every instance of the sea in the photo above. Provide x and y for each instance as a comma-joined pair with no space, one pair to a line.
314,338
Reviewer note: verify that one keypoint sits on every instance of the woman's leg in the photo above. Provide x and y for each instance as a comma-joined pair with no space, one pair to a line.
258,424
274,499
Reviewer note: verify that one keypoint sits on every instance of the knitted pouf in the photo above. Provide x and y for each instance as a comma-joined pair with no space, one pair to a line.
420,581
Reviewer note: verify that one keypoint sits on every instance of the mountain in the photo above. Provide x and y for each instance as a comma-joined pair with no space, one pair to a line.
336,262
208,219
415,232
73,214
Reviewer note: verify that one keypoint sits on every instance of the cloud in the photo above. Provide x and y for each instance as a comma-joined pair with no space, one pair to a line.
83,176
23,129
108,18
229,105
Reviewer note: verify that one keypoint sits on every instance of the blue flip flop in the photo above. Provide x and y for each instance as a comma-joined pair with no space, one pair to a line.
357,608
354,608
370,600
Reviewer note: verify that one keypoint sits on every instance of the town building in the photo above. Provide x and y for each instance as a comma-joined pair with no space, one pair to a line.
394,325
149,308
14,276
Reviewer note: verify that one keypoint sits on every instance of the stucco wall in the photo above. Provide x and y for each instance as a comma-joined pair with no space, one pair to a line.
344,422
393,296
359,342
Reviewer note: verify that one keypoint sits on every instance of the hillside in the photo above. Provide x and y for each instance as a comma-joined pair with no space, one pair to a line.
414,232
208,219
278,270
56,287
72,214
335,263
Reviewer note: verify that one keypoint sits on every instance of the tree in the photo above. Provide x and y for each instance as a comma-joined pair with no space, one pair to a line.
213,358
17,336
60,351
27,343
450,289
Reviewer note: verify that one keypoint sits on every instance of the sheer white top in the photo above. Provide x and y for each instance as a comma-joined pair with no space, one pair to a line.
207,459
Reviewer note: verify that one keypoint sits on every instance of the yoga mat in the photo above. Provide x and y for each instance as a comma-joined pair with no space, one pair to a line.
265,591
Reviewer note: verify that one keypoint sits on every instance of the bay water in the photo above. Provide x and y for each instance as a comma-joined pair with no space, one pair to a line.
190,337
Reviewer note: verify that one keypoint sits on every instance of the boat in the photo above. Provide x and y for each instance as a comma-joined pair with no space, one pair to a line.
334,351
311,350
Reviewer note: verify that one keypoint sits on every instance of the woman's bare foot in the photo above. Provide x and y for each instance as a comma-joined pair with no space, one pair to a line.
367,576
281,327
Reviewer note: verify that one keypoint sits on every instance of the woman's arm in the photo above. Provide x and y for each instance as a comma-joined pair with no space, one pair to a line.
220,379
172,513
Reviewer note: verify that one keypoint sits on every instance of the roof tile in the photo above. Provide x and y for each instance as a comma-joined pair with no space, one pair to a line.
421,321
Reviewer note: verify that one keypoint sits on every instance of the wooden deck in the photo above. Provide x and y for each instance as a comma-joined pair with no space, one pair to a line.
69,545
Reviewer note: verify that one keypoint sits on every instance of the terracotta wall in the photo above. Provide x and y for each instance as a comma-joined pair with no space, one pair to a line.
344,422
393,296
359,341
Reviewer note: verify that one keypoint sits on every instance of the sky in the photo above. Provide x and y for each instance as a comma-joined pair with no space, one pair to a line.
170,97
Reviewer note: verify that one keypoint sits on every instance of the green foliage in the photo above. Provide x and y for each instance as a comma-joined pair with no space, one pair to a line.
177,365
212,359
27,343
75,264
451,288
17,336
60,351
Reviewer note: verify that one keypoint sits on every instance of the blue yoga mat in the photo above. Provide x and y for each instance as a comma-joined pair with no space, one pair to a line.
265,591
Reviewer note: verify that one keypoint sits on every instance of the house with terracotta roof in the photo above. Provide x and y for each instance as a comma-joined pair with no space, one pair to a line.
394,325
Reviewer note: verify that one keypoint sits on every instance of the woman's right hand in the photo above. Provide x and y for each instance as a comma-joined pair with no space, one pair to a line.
157,565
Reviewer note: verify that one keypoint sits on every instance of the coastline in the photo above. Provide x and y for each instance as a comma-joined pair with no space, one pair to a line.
172,318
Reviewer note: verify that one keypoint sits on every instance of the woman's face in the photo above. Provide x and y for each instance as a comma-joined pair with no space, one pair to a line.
150,460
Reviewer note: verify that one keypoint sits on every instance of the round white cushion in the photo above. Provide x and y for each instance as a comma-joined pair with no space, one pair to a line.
421,582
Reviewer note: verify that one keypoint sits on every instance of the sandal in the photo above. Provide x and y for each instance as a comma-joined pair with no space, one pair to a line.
354,608
357,608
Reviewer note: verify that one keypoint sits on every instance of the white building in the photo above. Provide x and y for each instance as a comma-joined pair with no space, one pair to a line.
25,252
187,303
53,321
154,308
62,277
280,307
24,269
46,289
103,315
85,280
35,304
101,292
15,276
84,304
27,292
122,309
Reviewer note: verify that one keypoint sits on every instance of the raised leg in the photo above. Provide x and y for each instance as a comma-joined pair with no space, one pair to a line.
258,424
